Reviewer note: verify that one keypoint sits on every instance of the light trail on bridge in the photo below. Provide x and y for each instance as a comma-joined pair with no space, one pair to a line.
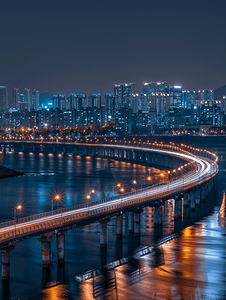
206,169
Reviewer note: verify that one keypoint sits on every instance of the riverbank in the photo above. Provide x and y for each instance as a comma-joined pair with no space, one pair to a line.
5,172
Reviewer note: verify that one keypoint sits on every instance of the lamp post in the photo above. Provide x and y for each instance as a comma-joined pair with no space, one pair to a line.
134,184
57,198
18,207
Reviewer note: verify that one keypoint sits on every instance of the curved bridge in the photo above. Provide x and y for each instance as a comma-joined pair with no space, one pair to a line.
189,188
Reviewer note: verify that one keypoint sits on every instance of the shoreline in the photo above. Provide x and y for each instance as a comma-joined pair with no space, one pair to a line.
6,172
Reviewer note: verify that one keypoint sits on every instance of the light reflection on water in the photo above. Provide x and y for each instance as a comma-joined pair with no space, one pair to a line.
190,267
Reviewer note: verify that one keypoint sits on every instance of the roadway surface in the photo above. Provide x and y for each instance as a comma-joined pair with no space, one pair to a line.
35,225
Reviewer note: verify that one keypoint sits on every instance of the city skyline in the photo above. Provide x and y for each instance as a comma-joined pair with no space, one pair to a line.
112,149
96,44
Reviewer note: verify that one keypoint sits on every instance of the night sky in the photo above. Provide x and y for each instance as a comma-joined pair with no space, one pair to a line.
86,46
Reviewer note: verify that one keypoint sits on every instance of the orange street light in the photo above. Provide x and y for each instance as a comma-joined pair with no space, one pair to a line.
57,197
18,207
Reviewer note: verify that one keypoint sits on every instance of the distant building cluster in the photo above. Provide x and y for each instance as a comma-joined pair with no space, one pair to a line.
159,108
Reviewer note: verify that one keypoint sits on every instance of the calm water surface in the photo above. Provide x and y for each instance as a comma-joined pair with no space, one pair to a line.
189,267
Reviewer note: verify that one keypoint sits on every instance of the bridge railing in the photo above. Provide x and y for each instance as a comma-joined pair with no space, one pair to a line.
169,147
119,142
17,232
90,204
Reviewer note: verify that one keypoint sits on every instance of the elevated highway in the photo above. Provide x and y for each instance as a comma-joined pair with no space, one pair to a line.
190,186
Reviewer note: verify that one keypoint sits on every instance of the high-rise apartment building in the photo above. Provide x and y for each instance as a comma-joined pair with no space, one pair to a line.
22,102
204,97
110,105
78,100
34,100
188,98
16,93
59,101
157,94
175,97
155,87
96,100
148,88
3,98
223,104
140,101
123,94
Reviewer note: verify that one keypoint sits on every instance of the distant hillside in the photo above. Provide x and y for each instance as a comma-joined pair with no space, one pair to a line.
219,93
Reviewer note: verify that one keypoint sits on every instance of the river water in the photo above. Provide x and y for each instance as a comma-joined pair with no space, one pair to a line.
191,266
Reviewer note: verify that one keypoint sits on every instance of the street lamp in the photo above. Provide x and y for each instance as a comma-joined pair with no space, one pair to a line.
18,207
134,184
57,198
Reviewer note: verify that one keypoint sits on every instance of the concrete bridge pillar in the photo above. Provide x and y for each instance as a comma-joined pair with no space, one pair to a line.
211,184
112,153
92,152
131,222
203,193
137,222
193,198
197,197
119,226
166,161
158,215
163,157
135,155
33,148
177,208
64,150
128,155
46,249
61,246
54,149
149,158
103,233
186,201
141,156
84,152
208,188
75,151
100,152
6,262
